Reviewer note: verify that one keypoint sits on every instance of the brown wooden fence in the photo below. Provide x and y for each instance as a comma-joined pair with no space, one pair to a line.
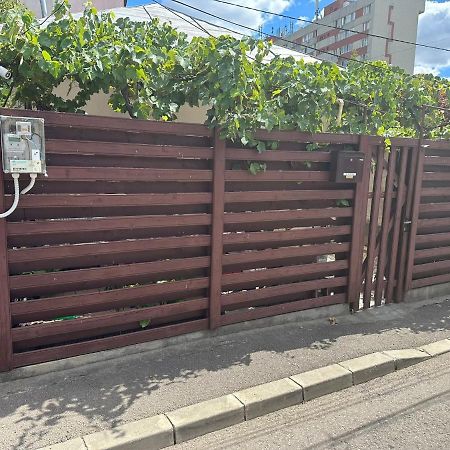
144,230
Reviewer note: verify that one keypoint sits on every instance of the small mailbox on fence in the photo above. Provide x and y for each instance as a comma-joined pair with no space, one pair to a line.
347,166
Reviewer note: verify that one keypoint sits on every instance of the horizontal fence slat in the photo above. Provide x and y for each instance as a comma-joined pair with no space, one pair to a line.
434,207
433,238
239,154
105,224
69,120
259,313
437,160
277,175
436,176
105,320
34,201
435,192
431,253
270,216
284,252
233,280
288,235
107,343
125,149
429,281
247,298
297,136
435,266
58,256
432,225
69,173
71,280
49,308
264,196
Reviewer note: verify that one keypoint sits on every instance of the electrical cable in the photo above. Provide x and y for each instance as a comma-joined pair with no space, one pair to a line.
16,197
387,38
33,177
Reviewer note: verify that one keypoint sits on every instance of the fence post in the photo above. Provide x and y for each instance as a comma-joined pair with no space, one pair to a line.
5,307
359,227
218,210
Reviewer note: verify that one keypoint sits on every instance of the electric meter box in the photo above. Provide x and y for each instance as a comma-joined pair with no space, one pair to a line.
23,144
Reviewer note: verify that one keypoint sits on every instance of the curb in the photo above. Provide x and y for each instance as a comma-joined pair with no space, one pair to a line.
187,423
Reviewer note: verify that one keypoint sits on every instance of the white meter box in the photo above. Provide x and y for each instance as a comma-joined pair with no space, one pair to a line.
23,144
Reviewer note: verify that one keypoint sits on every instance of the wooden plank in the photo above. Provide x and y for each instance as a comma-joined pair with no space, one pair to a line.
299,235
297,136
435,207
358,226
108,343
66,256
275,310
54,119
240,154
432,253
250,298
437,161
382,259
5,308
276,175
72,280
70,173
76,304
125,149
430,281
436,176
43,227
217,228
432,267
436,144
412,169
435,192
69,201
284,252
236,280
432,226
274,196
106,320
398,224
373,228
431,239
294,214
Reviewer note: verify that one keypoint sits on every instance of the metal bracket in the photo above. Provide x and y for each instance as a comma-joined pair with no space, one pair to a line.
407,225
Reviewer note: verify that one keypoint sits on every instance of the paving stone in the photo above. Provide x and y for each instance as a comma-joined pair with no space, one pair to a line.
205,417
269,397
323,381
367,367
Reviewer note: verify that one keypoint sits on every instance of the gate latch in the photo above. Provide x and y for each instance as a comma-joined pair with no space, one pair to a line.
407,225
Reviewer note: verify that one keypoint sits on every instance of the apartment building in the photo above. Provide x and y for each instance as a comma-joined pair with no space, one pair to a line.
77,5
394,19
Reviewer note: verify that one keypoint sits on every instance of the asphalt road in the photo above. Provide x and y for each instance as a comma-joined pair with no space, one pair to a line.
51,408
409,409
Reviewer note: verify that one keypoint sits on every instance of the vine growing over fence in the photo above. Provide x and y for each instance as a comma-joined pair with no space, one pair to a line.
150,70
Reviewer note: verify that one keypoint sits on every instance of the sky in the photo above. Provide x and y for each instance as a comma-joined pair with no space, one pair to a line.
434,24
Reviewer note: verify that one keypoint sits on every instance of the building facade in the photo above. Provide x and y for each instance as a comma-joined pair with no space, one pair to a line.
77,5
394,19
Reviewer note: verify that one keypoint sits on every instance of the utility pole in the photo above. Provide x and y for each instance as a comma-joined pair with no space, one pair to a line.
44,8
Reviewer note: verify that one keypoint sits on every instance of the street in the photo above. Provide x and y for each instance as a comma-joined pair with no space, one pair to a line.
409,409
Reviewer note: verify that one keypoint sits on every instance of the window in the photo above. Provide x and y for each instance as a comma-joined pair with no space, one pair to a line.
363,57
344,49
364,42
367,9
366,26
343,35
310,36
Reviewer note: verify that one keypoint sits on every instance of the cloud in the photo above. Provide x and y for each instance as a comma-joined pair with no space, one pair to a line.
433,29
302,24
249,18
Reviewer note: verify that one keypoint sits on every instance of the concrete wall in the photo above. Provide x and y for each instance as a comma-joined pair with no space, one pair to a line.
77,5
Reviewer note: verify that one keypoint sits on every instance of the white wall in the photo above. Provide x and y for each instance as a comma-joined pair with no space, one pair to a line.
77,5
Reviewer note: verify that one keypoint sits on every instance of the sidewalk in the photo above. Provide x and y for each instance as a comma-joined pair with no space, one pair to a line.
39,411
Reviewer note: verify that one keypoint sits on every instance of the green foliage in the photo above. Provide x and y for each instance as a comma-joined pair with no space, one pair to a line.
150,70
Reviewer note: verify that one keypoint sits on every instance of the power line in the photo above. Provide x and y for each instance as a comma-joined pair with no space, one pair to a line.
280,38
332,26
